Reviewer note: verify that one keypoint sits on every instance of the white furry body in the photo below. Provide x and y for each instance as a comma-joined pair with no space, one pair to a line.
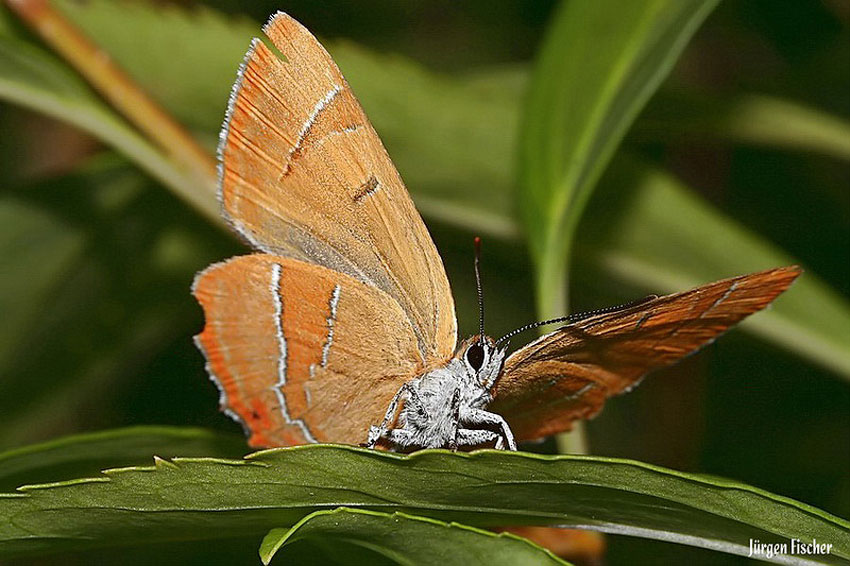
444,408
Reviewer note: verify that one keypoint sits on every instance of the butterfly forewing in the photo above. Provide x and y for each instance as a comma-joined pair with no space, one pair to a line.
568,374
302,353
304,175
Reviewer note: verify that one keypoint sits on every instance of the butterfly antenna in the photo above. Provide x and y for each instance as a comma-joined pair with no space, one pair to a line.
477,242
575,317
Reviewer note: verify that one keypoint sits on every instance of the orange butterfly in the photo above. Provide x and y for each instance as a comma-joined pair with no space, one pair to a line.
343,329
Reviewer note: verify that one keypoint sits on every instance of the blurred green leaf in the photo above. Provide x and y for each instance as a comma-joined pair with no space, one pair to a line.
204,498
85,455
402,539
35,79
36,250
189,59
467,182
600,63
746,118
646,210
96,269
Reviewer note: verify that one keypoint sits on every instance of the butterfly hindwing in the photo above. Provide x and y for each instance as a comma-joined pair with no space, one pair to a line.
301,353
304,175
569,373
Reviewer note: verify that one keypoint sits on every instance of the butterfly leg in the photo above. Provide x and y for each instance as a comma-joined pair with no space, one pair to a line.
453,438
375,432
477,437
480,417
401,439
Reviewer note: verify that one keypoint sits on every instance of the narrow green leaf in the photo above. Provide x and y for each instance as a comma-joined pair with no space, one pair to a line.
193,86
405,539
600,63
84,455
35,79
747,118
207,498
646,209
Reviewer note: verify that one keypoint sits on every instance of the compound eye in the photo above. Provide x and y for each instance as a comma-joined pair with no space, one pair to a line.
475,356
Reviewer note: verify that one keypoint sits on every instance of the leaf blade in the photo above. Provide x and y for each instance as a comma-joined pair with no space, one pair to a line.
596,70
34,79
199,498
747,118
408,539
89,453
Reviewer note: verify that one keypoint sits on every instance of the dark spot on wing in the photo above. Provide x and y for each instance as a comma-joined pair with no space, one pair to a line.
366,189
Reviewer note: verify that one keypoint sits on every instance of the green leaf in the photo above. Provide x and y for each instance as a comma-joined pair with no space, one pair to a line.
206,498
87,454
600,63
757,119
35,79
402,539
645,209
36,249
193,86
96,273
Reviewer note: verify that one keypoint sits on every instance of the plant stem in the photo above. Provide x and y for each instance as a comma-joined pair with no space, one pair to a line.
552,301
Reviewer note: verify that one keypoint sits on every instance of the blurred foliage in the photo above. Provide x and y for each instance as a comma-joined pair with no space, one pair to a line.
738,163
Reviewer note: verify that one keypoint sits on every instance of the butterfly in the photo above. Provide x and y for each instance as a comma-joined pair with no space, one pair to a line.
342,328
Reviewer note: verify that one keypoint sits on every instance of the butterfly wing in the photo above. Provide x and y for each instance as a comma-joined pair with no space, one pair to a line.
301,353
304,175
568,374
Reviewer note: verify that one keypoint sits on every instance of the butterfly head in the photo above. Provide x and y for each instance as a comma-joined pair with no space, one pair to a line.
482,359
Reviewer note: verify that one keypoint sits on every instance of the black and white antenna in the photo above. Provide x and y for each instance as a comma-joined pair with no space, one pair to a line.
478,287
575,317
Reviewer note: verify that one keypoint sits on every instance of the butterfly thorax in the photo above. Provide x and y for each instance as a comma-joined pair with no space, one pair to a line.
445,406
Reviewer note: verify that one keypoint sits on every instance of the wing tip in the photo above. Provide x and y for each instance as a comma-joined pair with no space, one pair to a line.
281,24
278,20
779,279
282,27
792,271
